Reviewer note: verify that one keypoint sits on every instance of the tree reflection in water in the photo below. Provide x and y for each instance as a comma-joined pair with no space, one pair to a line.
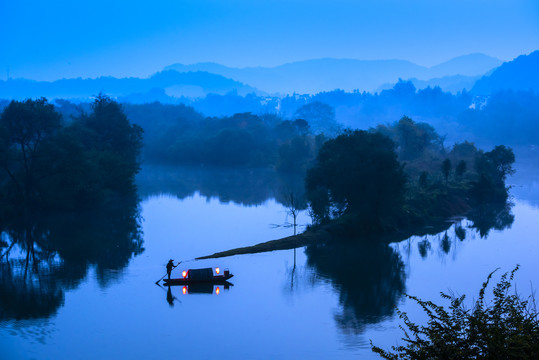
491,216
369,278
45,255
249,187
480,221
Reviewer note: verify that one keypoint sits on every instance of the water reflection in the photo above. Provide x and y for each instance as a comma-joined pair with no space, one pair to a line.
194,289
205,288
492,216
45,255
247,187
525,182
170,297
23,299
369,278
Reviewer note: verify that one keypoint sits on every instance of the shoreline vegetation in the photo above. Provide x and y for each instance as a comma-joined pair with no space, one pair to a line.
317,235
400,181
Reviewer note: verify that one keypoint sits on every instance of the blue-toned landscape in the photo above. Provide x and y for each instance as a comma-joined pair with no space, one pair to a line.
280,180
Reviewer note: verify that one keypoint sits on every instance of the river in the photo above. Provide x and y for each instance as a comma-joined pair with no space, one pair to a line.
326,303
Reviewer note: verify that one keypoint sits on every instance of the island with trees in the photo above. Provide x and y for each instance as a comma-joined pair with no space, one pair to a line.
394,181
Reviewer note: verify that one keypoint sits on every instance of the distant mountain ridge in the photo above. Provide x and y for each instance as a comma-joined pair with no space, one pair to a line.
471,65
521,73
172,83
313,76
302,77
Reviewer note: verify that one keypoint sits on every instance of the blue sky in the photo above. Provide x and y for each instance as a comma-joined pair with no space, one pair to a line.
47,40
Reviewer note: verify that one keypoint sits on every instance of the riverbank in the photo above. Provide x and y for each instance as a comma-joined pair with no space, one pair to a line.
291,242
325,233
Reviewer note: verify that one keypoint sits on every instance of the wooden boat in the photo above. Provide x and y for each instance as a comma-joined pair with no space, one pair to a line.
196,276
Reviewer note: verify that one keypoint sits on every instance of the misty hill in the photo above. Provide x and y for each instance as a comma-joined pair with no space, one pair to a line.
313,76
452,84
520,74
169,83
468,65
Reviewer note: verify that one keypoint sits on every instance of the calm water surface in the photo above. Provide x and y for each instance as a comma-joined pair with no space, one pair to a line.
325,303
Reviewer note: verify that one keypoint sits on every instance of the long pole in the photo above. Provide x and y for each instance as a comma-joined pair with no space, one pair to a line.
157,282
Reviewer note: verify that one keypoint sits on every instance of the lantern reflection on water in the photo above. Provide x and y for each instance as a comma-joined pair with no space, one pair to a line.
192,289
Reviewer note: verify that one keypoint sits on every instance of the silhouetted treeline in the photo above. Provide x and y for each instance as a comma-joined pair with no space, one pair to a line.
200,130
507,117
176,134
47,164
394,177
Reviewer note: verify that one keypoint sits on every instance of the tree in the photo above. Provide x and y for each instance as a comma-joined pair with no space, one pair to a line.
460,169
446,169
113,143
25,126
320,116
423,179
412,139
50,166
493,167
501,158
295,155
356,174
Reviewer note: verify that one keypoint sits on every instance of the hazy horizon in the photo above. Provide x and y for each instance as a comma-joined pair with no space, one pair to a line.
164,68
132,39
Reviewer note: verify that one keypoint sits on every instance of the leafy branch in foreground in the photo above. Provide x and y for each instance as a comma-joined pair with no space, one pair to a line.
505,328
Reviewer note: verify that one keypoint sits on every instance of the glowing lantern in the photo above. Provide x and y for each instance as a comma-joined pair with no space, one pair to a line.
217,271
184,274
184,290
217,291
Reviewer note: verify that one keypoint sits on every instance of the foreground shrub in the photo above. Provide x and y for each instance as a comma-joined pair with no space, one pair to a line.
505,328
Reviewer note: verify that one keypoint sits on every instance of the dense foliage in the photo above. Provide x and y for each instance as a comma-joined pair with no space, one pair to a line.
179,135
358,174
401,175
50,165
505,328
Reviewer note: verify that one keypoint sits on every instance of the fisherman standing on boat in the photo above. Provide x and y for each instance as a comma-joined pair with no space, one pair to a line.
170,266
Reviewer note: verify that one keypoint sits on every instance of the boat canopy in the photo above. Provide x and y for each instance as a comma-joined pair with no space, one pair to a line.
201,274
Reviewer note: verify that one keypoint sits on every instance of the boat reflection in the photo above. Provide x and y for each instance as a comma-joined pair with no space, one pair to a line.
198,288
205,288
